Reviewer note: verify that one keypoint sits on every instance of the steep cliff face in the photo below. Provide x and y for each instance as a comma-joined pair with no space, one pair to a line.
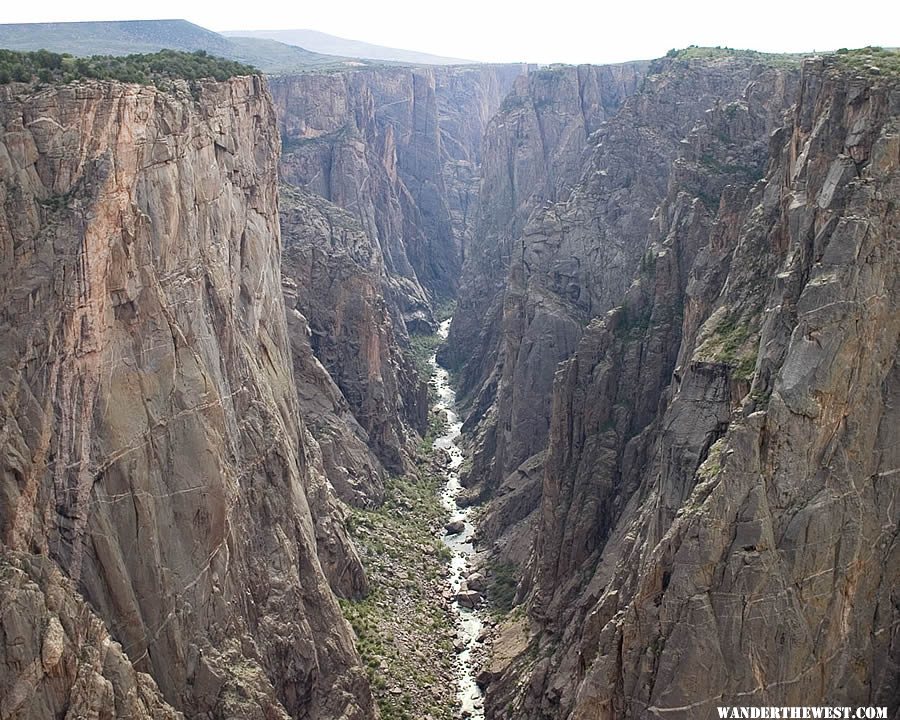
574,256
152,448
719,515
534,151
398,148
717,162
467,100
369,399
532,155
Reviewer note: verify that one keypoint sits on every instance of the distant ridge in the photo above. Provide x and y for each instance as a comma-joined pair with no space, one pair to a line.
333,45
145,36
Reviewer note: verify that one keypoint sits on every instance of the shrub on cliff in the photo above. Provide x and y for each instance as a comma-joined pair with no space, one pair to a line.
151,69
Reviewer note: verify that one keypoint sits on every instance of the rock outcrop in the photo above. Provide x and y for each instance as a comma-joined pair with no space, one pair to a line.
151,448
719,508
57,658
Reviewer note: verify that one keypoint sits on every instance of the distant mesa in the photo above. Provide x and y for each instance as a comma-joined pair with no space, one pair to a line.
332,45
149,36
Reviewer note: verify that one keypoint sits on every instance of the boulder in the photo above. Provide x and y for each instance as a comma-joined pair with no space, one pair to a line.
455,528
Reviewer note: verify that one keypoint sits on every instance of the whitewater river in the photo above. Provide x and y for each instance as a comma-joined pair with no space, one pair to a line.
468,621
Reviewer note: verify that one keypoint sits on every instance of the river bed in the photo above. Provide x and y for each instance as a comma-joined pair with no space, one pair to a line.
468,621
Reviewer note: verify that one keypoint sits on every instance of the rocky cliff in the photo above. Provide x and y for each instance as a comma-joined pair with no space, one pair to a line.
675,342
399,148
358,391
534,151
718,522
381,175
152,457
582,158
532,154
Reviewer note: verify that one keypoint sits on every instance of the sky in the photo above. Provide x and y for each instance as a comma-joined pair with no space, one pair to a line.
571,31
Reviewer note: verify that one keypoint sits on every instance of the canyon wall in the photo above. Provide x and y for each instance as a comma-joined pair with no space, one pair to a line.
674,344
399,149
358,391
533,153
719,510
562,239
152,456
380,170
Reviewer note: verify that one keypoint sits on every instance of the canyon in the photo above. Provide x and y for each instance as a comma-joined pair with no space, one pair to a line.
662,403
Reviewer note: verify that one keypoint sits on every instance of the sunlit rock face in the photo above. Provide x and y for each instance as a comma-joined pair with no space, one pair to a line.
151,448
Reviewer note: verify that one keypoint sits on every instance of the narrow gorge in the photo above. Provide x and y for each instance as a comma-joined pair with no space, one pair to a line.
504,392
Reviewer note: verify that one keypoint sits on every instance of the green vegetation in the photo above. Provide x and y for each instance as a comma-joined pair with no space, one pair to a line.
404,635
116,37
57,202
710,200
503,579
444,310
423,345
437,425
695,52
712,466
404,631
648,262
513,101
157,69
871,60
421,348
695,504
746,173
760,396
732,342
634,322
84,39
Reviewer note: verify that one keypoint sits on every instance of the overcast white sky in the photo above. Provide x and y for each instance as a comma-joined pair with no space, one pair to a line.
548,31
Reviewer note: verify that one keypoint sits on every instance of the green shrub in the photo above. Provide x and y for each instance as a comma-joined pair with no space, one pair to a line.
503,581
870,60
155,68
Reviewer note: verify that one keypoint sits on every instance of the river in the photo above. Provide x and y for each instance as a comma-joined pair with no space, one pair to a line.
468,621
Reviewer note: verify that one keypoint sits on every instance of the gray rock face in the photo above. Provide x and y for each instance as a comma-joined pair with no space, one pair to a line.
151,446
718,512
57,658
580,234
333,275
533,153
399,149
